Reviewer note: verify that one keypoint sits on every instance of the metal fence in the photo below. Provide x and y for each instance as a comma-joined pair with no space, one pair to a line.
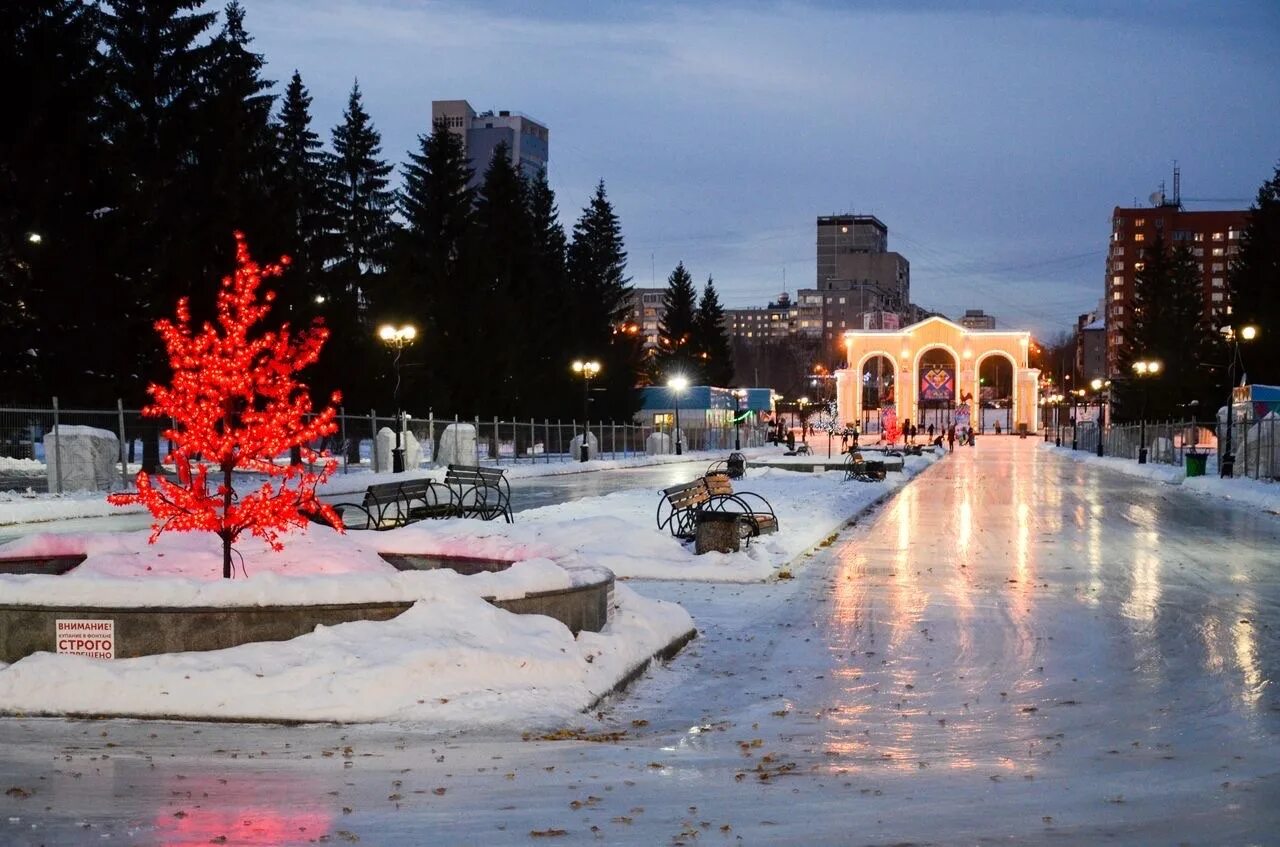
25,465
1255,443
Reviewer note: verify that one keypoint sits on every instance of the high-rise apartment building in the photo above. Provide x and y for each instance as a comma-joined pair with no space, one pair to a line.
1214,239
646,307
527,140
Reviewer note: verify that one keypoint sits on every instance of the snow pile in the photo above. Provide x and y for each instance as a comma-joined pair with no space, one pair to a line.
619,531
455,664
9,464
1261,494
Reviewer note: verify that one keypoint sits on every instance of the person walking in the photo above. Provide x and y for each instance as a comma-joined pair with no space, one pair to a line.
931,432
791,441
951,438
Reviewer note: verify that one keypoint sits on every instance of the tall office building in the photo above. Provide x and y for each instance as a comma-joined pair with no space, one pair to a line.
527,140
1214,239
976,319
857,275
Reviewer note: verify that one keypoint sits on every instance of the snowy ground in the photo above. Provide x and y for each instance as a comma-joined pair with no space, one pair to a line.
493,659
1017,649
1250,493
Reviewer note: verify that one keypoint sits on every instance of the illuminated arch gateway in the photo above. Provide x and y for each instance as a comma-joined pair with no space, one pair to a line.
937,372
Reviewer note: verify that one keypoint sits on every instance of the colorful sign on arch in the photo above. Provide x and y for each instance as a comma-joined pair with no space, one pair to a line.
938,382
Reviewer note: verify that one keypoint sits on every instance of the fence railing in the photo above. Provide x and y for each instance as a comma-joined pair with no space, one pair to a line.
1254,442
25,465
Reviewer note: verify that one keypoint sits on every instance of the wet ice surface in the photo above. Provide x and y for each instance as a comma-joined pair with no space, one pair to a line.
1016,649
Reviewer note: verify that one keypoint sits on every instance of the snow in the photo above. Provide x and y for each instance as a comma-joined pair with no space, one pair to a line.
12,465
453,657
1252,493
457,663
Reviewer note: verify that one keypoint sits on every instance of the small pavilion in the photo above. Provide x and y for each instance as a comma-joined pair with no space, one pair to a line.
939,372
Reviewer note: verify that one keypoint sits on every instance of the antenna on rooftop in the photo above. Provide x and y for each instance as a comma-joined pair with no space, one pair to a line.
1177,185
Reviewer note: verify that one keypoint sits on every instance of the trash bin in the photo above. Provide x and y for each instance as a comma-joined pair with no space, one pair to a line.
736,465
1196,463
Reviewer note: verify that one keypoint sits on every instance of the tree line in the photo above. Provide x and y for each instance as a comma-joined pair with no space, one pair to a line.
143,133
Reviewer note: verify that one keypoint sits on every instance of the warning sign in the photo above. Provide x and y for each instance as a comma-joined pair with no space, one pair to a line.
95,639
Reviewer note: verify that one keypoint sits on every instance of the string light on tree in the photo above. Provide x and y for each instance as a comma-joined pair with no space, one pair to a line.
236,406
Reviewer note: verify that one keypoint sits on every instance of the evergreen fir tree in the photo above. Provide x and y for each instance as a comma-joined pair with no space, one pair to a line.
1169,325
550,346
599,293
359,206
300,201
153,60
678,352
361,200
711,339
53,284
430,269
234,152
502,373
1253,277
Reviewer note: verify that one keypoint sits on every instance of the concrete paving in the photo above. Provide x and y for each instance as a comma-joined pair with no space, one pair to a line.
1017,649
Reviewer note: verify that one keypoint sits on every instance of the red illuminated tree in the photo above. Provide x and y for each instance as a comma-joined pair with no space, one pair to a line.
237,407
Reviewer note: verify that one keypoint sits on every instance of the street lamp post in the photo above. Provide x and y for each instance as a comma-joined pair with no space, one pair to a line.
1144,368
587,370
1100,386
678,384
397,339
1227,467
738,395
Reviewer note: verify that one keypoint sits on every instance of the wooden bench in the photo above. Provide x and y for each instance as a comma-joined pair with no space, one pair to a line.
856,467
480,492
680,506
388,505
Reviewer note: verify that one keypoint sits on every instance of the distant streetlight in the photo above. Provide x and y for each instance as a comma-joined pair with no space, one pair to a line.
1227,465
34,238
739,394
587,370
1144,368
396,339
678,384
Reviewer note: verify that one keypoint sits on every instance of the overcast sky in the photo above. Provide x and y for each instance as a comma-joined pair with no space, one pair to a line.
992,140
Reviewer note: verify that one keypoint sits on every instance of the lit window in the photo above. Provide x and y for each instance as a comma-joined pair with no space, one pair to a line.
1117,266
1199,251
1218,251
1217,282
842,300
1118,324
829,324
1117,309
1117,280
1217,297
1139,266
1217,236
1140,222
1140,237
1119,251
1117,295
1199,236
1234,234
1217,266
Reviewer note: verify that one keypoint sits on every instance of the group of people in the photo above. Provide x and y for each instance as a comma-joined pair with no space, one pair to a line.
950,434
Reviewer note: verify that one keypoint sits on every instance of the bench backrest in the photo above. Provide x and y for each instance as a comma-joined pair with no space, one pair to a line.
474,473
718,483
688,495
383,492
